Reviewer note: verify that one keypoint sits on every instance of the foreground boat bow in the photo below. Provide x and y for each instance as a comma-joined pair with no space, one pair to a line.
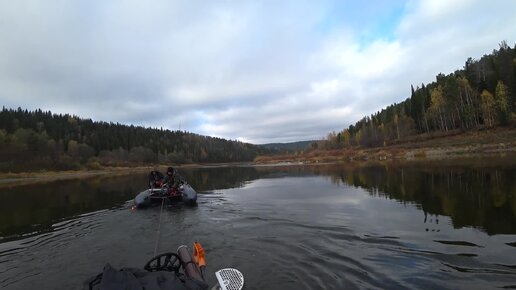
168,271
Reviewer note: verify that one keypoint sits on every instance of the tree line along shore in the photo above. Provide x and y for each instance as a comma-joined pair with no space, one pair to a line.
40,140
499,142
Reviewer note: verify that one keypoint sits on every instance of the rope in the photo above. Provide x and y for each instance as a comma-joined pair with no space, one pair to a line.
159,227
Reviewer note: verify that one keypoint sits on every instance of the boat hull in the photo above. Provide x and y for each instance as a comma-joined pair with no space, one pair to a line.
185,194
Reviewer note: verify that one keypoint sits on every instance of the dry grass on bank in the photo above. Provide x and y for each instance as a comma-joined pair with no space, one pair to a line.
8,179
450,145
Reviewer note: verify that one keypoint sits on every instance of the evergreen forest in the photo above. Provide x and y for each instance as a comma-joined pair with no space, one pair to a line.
40,140
480,96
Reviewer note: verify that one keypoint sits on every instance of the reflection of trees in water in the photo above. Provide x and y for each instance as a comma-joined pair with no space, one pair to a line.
479,197
483,197
42,204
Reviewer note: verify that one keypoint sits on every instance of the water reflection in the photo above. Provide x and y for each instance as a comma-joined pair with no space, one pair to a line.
222,177
484,198
347,226
472,195
33,208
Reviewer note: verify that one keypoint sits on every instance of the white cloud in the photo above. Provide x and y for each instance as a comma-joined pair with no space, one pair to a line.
255,71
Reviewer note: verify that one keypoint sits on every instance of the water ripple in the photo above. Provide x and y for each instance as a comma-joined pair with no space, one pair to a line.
341,238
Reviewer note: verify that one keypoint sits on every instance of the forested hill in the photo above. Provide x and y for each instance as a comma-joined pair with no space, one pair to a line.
482,95
292,146
32,140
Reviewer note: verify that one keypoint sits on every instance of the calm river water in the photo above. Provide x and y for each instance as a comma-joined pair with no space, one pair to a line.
411,226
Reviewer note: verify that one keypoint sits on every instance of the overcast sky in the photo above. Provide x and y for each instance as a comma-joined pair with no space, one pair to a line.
256,71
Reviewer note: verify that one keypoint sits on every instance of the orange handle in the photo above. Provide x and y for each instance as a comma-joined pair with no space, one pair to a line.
198,255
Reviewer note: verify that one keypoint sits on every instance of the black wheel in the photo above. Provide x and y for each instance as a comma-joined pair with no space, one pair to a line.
164,262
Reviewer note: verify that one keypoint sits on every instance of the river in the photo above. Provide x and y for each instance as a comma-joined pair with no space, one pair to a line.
384,226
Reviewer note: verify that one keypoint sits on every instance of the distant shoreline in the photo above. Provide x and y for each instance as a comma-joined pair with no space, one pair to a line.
21,178
500,143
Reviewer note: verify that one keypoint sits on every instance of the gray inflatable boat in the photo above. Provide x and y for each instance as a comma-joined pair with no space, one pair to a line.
156,196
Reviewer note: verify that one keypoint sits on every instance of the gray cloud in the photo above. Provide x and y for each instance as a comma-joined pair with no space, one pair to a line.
253,71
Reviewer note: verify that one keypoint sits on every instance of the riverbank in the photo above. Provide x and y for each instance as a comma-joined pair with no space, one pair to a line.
473,144
456,145
9,179
20,178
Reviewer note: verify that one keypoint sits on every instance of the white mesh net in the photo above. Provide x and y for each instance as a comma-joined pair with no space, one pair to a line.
230,279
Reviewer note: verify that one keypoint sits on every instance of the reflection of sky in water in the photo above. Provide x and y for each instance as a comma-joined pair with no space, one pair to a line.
317,200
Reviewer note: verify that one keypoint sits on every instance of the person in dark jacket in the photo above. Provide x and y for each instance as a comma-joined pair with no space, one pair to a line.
155,179
172,180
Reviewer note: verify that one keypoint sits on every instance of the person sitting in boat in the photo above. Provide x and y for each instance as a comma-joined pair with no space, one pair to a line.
155,179
173,181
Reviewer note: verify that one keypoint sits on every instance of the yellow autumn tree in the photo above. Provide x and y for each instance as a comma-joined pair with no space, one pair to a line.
487,106
344,136
502,103
436,104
